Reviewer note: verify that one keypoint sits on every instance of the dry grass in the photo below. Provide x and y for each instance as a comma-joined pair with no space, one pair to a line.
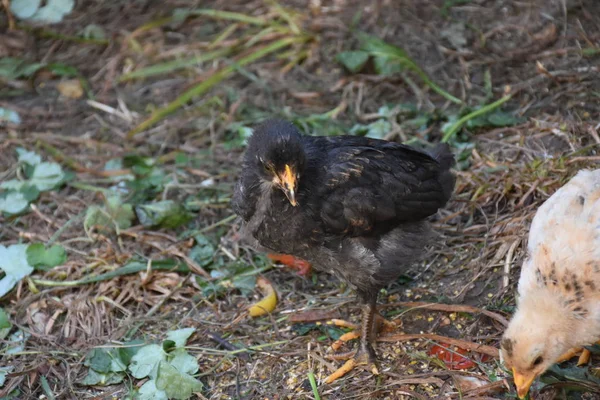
512,170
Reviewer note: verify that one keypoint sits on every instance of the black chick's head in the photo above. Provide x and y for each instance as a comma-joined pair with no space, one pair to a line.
275,149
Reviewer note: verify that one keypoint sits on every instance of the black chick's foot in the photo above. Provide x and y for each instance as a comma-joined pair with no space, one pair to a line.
381,323
364,357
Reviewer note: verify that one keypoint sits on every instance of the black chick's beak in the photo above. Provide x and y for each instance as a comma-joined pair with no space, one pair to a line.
288,185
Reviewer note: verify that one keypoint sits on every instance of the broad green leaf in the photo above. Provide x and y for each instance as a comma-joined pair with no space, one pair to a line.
9,116
149,391
387,66
47,176
93,31
354,61
41,258
61,69
99,360
495,119
5,324
105,360
180,336
95,378
164,214
184,362
16,342
202,253
145,362
176,384
129,349
24,9
501,118
28,157
14,68
377,130
13,203
168,345
122,213
54,11
244,283
3,372
115,214
13,261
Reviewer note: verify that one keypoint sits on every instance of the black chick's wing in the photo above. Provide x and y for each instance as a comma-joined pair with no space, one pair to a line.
372,189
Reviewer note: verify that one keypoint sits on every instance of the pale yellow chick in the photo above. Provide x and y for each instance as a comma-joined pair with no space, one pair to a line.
558,308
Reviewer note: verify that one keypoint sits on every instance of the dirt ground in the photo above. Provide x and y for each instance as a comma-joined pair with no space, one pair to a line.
545,53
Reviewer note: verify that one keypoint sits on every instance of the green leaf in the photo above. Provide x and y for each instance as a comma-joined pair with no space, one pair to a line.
3,372
16,342
149,391
387,66
164,214
129,349
24,9
244,283
145,362
114,215
180,336
354,61
176,384
94,378
9,116
15,68
54,11
184,362
501,118
44,259
47,176
168,345
99,360
105,360
5,325
93,31
13,261
202,253
4,322
495,119
61,69
28,157
13,203
377,130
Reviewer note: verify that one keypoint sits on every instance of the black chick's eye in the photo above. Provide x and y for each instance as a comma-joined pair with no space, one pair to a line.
538,361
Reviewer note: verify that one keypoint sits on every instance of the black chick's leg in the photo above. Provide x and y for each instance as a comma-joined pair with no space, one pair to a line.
365,354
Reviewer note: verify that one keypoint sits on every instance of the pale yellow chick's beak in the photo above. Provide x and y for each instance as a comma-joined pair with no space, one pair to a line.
288,185
523,383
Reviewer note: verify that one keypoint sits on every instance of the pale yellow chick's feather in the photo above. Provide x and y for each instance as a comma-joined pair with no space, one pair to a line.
558,308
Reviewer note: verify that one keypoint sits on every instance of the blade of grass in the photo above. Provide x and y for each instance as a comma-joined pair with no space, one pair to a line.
313,385
379,48
46,34
285,15
224,35
483,110
170,66
132,268
214,79
46,388
227,15
259,36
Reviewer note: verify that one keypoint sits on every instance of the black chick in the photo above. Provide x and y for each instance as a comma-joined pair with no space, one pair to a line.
351,206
